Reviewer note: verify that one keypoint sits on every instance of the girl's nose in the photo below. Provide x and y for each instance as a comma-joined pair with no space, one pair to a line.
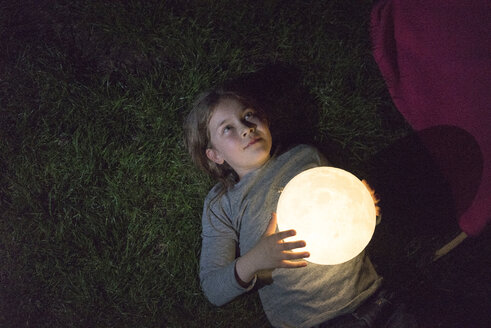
248,129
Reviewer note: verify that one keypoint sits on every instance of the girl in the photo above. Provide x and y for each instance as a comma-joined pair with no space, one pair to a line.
227,135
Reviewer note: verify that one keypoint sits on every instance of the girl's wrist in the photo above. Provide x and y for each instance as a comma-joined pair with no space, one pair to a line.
242,283
243,273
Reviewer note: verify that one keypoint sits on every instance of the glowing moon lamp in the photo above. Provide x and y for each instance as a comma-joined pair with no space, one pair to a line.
331,210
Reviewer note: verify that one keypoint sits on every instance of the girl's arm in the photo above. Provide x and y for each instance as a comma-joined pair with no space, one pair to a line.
218,257
271,253
219,267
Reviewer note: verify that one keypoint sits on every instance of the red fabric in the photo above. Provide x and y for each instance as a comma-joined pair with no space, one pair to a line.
435,57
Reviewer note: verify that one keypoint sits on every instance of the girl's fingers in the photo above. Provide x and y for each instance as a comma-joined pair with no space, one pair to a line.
293,264
292,245
271,226
295,255
285,234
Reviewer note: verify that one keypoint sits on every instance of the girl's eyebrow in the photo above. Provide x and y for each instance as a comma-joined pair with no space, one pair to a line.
222,123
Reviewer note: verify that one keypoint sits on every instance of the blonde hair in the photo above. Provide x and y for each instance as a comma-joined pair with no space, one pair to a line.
197,135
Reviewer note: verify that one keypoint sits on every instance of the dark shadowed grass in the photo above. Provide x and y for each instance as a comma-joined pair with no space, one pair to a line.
100,207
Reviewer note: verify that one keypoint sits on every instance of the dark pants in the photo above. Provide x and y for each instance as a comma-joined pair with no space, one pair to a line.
381,310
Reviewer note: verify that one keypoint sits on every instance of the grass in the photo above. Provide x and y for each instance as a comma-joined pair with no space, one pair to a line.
100,206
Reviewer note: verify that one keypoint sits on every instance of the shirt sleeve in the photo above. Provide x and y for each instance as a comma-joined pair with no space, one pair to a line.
218,257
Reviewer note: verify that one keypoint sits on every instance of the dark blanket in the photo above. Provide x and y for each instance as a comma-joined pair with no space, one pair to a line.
435,57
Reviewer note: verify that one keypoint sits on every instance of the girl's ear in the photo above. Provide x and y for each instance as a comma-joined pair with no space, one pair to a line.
214,156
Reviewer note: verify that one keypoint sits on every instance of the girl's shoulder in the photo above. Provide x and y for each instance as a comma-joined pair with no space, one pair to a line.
305,148
299,149
304,152
218,196
217,190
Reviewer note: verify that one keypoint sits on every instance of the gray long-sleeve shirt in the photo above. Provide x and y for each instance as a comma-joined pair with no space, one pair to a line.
234,222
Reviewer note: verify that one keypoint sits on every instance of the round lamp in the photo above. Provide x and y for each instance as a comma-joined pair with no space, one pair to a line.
331,210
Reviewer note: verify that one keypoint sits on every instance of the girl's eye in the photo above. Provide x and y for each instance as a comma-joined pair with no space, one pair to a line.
227,128
249,115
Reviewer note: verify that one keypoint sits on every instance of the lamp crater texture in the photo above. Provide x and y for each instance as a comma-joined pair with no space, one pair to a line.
331,210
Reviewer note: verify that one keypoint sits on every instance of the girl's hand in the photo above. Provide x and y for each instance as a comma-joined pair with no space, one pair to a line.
271,252
374,197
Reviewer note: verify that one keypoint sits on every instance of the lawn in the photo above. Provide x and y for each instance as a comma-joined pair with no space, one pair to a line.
100,205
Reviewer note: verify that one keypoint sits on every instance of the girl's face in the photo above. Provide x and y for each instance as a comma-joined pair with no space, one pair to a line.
238,137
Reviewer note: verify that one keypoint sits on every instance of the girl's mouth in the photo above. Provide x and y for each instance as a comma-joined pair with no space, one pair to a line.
252,142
